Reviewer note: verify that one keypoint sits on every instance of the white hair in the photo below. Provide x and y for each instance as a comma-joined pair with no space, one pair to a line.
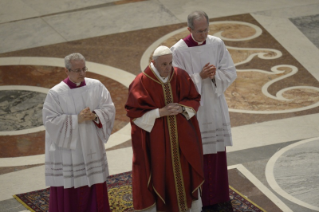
154,57
73,56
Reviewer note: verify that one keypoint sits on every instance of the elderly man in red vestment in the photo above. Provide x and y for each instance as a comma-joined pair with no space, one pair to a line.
167,148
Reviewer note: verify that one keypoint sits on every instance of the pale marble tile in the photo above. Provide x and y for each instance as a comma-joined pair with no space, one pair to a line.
9,60
21,182
22,161
15,10
297,172
292,11
309,26
122,76
110,20
45,7
27,34
216,8
120,160
274,132
119,137
12,205
293,40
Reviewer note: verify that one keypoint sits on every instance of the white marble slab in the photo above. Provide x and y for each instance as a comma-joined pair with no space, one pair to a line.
110,20
21,182
292,11
297,172
293,173
27,34
274,132
216,8
120,160
15,10
44,7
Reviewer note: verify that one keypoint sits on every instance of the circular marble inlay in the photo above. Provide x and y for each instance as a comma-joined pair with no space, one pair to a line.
47,77
20,110
293,173
21,103
41,73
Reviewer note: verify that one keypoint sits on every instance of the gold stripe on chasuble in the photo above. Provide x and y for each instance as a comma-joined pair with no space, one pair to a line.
177,169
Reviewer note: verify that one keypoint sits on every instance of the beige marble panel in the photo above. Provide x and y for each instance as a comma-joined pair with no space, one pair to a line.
246,93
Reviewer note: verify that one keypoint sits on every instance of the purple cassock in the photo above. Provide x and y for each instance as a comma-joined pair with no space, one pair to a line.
82,199
215,187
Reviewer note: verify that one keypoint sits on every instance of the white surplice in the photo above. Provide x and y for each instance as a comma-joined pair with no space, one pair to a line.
74,153
213,115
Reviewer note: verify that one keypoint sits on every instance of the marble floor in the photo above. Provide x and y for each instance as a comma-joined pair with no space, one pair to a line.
274,102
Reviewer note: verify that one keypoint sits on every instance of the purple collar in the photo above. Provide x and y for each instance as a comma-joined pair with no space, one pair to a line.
190,41
72,85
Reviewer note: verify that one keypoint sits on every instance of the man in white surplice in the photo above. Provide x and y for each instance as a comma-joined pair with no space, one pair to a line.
212,70
78,114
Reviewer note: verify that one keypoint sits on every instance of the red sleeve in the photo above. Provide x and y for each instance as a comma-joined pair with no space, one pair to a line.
139,100
99,125
187,92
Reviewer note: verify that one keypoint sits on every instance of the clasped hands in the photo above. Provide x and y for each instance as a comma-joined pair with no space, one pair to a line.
171,109
208,71
86,115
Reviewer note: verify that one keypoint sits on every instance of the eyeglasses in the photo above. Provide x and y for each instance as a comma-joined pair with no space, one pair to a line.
202,31
85,69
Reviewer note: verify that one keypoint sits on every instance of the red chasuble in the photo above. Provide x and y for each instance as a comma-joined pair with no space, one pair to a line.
167,162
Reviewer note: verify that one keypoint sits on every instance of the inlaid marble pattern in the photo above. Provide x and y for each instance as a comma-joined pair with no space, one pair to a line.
250,92
124,51
20,110
309,26
296,172
277,81
17,115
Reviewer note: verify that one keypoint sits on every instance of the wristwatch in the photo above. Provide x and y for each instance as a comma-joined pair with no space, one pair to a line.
183,108
96,118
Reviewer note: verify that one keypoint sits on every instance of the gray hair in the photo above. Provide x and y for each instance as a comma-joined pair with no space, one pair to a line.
154,57
73,56
196,15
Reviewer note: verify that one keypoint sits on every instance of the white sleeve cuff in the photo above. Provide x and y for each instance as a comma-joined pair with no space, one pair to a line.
190,112
147,121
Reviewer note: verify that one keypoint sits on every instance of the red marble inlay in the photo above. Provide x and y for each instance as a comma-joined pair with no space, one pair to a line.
22,145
